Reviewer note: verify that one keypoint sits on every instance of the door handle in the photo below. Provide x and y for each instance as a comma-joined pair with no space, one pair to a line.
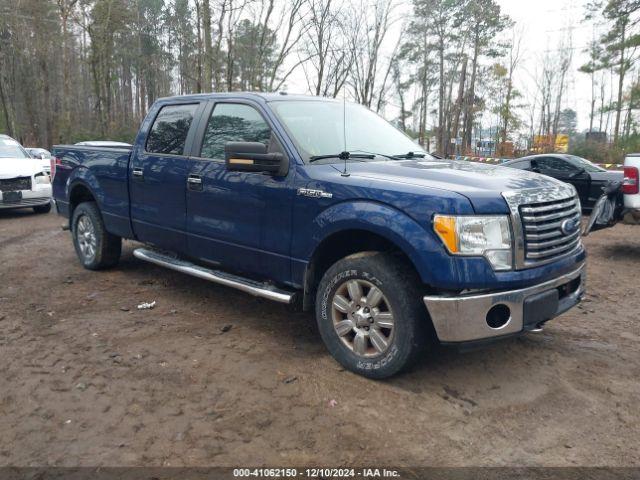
138,173
194,182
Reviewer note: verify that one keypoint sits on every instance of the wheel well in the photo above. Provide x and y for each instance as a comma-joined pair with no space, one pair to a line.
79,193
341,245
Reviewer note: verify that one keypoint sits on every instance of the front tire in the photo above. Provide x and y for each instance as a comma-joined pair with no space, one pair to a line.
370,314
96,248
42,208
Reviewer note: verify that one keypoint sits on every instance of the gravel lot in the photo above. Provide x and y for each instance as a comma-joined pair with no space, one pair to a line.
212,376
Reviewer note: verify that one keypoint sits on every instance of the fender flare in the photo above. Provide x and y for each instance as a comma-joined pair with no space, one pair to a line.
416,241
83,176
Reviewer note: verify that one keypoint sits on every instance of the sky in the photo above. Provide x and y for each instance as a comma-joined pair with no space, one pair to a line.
545,24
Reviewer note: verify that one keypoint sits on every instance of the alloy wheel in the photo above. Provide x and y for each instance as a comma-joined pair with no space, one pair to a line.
362,318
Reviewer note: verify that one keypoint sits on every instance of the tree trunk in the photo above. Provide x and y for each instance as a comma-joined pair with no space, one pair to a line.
6,110
208,47
621,75
440,146
458,105
471,98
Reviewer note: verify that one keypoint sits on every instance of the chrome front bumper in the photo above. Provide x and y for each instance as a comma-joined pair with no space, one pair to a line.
463,318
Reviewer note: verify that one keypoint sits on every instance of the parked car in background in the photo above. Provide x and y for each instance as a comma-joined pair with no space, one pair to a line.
24,183
42,154
587,178
261,192
103,143
38,153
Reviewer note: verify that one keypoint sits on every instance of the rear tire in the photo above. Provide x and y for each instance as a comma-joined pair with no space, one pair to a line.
42,208
370,314
96,248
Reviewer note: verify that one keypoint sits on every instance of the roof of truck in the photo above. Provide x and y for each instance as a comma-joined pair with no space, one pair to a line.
267,97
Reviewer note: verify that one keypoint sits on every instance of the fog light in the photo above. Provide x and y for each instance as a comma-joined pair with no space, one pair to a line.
498,316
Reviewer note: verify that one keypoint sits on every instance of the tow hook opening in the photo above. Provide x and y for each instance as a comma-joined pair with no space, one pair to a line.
498,316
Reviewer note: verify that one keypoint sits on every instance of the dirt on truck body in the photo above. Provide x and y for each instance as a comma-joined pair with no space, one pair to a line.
212,376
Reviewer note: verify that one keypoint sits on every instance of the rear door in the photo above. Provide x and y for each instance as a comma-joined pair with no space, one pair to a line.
241,220
158,177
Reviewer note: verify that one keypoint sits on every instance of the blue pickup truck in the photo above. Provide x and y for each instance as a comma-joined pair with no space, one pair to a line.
324,205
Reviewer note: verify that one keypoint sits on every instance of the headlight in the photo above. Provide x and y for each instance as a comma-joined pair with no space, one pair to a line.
488,236
42,179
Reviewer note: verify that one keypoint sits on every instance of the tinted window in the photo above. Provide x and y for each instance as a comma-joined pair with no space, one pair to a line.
169,131
524,165
586,164
552,163
232,122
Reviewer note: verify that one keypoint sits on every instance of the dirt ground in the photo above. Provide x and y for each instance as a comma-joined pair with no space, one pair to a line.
215,377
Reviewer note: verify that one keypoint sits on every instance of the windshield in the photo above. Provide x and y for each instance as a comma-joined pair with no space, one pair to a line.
586,164
9,148
316,128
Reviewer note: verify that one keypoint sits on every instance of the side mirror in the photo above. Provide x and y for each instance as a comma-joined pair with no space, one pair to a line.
253,157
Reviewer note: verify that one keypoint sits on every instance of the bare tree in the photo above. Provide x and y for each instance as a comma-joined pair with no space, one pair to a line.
292,21
326,47
368,33
506,113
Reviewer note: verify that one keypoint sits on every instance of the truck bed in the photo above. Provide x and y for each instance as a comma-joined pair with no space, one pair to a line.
105,170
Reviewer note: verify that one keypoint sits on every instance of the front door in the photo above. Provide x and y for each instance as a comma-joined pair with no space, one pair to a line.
158,179
567,172
240,220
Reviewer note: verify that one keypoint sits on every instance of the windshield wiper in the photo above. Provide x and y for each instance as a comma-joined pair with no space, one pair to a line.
365,155
409,155
395,157
342,156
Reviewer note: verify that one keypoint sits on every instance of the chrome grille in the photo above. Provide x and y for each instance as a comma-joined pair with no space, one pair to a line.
542,223
15,184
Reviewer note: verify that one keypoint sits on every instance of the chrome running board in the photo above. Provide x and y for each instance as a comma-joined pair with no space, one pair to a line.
246,285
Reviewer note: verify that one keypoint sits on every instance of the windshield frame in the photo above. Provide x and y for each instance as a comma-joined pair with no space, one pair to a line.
306,157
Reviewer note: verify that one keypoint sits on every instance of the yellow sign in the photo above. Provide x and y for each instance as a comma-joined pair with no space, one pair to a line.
562,143
551,143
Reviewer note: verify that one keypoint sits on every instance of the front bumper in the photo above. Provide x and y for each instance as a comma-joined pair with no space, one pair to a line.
30,198
464,318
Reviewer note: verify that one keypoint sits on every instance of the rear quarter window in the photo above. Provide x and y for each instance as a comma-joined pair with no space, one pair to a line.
170,129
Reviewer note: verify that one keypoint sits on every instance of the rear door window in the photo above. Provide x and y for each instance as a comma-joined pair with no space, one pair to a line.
553,163
169,131
233,122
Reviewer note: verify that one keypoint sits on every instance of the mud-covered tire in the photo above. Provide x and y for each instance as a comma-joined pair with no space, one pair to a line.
42,208
402,302
87,228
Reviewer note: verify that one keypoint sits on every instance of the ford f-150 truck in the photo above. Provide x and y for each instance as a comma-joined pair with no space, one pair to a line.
325,205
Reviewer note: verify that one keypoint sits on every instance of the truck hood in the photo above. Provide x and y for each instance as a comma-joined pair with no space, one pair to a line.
482,184
20,167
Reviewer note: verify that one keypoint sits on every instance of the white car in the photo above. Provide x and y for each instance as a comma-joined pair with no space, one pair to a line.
41,154
24,182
